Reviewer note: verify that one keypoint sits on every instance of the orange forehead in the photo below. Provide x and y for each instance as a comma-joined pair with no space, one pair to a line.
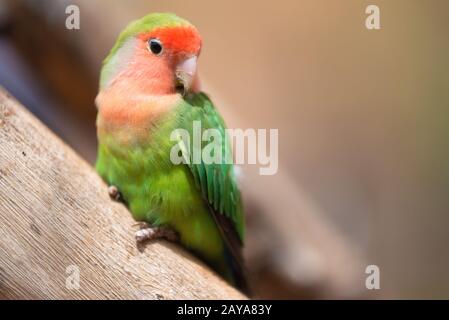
178,39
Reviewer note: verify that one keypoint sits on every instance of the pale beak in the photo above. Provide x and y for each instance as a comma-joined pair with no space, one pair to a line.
185,74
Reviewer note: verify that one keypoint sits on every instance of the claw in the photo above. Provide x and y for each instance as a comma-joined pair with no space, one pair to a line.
153,233
114,193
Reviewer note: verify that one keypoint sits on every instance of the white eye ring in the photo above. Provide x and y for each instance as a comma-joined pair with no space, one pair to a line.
155,46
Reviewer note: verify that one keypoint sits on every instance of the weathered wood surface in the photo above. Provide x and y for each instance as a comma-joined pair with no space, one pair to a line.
56,218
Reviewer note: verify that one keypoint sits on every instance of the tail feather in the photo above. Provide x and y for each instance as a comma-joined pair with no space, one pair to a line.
233,250
238,273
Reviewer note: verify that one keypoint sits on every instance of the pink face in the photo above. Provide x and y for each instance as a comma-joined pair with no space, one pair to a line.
165,58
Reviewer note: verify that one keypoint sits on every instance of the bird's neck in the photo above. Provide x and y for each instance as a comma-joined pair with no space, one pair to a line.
129,106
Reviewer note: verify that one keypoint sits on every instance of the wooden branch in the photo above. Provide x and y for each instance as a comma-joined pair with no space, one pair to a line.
57,219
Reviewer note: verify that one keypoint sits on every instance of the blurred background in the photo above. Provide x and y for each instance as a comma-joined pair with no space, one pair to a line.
363,119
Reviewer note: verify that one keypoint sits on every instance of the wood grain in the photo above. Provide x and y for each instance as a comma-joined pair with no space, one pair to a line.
56,217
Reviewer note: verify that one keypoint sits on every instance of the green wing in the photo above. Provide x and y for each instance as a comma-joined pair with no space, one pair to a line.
216,181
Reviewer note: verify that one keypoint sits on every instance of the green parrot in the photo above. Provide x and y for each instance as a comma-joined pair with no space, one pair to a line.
149,88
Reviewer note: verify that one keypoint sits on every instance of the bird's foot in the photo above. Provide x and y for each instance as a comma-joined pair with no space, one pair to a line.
114,193
148,232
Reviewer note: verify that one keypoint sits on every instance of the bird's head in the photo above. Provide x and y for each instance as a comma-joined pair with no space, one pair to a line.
156,54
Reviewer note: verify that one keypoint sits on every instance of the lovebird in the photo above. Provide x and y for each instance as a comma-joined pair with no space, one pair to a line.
149,88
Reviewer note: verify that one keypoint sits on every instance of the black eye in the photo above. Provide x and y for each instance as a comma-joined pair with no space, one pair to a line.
155,46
